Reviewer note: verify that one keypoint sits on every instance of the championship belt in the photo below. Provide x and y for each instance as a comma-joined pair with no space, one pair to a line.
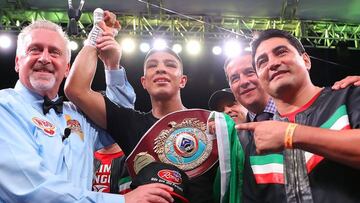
179,139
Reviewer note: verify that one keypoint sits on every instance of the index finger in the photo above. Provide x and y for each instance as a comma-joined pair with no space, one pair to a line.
246,126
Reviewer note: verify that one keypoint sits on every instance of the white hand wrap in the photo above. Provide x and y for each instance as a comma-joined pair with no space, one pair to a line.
96,31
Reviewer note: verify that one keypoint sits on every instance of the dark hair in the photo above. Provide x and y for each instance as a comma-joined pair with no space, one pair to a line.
167,50
271,33
229,59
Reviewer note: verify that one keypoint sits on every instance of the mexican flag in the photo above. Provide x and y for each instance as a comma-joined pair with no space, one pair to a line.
229,179
269,168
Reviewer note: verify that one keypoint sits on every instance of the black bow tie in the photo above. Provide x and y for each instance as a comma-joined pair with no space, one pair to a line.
56,105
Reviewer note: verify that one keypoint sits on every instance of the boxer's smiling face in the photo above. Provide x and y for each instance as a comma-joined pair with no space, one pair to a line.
163,75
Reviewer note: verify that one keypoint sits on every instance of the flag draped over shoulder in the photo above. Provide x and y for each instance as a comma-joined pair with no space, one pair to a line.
229,178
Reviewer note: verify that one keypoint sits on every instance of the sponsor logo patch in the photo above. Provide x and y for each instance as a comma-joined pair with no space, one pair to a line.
170,176
48,128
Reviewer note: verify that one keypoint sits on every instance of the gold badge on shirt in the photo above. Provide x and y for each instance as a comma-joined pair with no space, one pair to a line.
75,126
47,127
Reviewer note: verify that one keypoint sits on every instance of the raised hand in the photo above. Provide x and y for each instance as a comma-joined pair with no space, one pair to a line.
111,25
111,22
108,48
